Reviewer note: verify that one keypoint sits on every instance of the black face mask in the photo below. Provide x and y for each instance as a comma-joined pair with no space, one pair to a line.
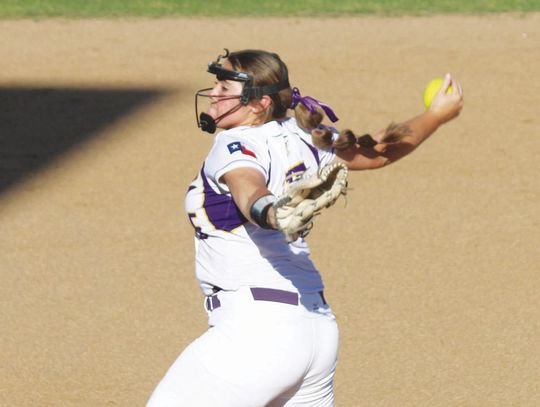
206,122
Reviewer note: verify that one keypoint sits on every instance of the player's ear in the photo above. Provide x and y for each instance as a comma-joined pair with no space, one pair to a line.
260,105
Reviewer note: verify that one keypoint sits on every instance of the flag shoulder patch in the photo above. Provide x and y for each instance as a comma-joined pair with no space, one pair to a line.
237,146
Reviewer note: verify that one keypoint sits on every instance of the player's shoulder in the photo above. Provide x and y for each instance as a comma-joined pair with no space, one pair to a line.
292,126
242,138
241,132
256,136
236,132
239,146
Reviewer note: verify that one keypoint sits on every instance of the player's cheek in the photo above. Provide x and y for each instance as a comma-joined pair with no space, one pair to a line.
212,109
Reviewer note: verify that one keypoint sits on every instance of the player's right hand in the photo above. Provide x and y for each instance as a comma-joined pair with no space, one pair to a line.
447,106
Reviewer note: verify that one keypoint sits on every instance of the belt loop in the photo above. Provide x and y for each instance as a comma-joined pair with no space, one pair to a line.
212,302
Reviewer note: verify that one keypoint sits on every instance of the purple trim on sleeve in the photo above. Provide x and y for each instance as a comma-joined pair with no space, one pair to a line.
221,210
269,172
313,150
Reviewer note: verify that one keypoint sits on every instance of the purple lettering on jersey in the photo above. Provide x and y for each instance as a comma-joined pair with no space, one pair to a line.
314,151
221,210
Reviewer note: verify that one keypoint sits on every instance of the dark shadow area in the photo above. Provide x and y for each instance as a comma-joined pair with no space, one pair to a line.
38,125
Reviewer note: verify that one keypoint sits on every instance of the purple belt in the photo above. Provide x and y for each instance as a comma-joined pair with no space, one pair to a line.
261,294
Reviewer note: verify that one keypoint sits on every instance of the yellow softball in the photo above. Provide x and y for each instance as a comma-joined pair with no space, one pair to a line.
431,90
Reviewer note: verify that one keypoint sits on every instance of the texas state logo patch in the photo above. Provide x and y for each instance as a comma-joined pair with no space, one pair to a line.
238,146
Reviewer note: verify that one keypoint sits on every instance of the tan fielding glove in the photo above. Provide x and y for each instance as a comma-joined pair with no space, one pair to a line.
306,198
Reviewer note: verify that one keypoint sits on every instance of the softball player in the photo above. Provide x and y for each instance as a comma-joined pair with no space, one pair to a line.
272,338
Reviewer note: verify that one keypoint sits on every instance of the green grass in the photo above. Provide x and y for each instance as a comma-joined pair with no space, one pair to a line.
216,8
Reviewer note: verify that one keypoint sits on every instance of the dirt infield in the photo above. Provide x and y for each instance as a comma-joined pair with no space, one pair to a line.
432,267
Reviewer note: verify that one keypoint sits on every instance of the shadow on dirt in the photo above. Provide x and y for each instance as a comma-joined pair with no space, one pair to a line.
38,124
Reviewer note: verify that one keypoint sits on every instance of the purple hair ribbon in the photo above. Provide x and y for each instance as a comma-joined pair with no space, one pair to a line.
311,104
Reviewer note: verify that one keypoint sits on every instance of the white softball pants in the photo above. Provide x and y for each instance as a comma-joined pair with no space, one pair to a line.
256,354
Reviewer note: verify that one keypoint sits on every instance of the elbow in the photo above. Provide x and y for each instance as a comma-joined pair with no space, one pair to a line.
361,158
381,162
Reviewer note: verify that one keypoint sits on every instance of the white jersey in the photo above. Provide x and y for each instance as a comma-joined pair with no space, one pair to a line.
231,252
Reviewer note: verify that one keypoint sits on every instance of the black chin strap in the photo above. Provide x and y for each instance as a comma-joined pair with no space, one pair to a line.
209,124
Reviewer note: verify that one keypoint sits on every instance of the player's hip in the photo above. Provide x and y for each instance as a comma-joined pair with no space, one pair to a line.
265,305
